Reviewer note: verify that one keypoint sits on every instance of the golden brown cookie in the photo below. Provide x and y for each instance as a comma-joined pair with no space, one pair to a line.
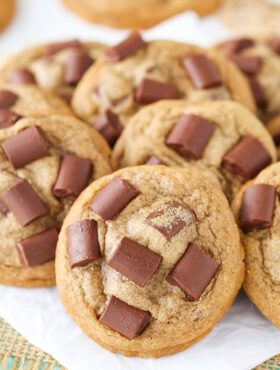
57,67
257,210
222,139
44,164
138,14
259,60
30,100
149,260
134,74
7,8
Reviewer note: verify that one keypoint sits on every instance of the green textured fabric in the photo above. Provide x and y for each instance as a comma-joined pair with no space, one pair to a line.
16,353
272,364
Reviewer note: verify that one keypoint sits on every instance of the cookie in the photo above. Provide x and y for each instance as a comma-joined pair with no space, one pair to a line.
136,15
222,139
57,67
30,100
135,73
259,60
149,260
250,17
44,164
257,210
7,11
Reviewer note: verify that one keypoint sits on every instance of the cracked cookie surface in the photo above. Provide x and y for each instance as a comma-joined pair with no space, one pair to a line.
62,135
204,218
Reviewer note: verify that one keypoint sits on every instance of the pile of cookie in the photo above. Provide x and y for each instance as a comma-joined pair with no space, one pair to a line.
147,259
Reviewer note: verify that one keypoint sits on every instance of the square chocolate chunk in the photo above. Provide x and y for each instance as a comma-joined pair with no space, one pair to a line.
202,71
38,248
193,272
126,48
190,136
170,219
246,159
73,176
25,147
113,198
24,202
83,244
133,260
127,320
150,91
257,209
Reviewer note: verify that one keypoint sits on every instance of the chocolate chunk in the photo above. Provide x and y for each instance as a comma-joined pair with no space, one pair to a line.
257,207
193,272
108,125
126,48
25,147
236,46
274,44
54,48
75,66
150,91
202,71
247,64
66,96
170,219
134,261
155,160
258,93
83,244
73,176
23,201
8,118
113,198
7,99
246,159
22,77
190,136
127,320
38,249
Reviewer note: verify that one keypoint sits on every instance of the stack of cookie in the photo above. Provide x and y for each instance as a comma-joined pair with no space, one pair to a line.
148,258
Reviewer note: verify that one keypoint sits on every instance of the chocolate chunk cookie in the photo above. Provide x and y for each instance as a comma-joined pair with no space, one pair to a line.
257,211
222,139
259,60
57,67
45,162
136,14
135,73
149,260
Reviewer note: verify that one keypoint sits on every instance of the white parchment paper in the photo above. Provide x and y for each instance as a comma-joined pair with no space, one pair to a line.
243,339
